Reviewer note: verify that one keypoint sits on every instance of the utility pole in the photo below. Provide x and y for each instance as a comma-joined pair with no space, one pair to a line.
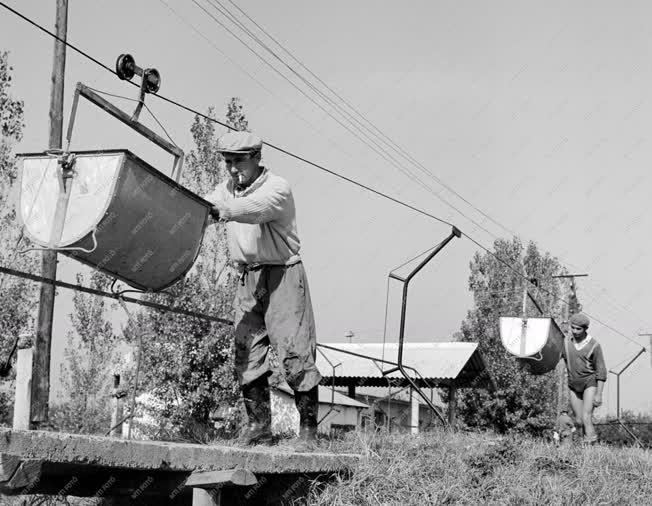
42,347
569,291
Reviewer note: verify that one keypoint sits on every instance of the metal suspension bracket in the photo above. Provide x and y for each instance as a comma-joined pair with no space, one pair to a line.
406,281
126,69
66,161
150,79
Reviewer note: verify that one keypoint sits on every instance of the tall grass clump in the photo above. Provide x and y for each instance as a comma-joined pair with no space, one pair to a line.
445,467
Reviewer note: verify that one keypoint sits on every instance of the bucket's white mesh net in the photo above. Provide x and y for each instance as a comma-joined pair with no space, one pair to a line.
90,194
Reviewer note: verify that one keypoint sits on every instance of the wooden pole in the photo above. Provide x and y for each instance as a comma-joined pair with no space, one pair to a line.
561,367
452,405
40,390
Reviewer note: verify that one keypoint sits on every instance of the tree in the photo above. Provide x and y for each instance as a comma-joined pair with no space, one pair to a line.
187,363
91,356
17,295
521,402
235,116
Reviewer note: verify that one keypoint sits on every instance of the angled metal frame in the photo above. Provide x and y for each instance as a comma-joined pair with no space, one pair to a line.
401,338
84,91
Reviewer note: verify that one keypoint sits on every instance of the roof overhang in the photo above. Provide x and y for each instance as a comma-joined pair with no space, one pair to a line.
429,365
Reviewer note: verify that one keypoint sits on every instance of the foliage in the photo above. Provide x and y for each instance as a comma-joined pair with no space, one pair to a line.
235,116
611,432
17,295
521,402
445,467
6,411
187,362
11,110
91,358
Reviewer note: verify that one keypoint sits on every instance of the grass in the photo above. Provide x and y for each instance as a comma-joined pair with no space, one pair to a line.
458,468
469,468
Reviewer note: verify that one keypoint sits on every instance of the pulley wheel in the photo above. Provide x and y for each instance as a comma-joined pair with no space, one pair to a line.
125,67
152,80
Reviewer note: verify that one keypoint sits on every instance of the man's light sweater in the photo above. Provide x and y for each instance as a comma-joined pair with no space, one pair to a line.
261,226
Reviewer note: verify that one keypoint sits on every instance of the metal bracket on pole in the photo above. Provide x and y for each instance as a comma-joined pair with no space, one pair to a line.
617,374
401,338
84,91
150,79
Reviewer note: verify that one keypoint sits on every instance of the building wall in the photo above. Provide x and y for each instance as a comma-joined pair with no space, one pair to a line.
339,417
395,416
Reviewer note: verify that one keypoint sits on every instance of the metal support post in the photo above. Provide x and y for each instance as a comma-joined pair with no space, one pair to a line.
618,374
401,338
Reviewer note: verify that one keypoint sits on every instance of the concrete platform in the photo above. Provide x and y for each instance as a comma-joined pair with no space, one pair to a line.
69,464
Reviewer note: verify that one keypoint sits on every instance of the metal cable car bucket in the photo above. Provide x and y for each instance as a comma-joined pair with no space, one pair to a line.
124,217
536,342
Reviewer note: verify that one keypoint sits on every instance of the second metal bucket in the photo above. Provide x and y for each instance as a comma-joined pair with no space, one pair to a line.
536,342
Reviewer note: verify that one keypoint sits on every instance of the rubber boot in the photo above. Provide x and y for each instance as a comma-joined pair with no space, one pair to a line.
307,404
257,403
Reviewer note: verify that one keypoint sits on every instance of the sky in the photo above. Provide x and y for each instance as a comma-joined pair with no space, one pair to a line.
536,113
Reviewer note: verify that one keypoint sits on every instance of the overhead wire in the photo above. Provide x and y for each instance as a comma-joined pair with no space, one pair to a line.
377,148
229,15
245,71
380,133
371,126
225,125
316,165
363,130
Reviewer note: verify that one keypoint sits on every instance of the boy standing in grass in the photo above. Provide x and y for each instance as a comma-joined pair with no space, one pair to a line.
586,374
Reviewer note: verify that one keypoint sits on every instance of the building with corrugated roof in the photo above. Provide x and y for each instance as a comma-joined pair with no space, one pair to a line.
356,366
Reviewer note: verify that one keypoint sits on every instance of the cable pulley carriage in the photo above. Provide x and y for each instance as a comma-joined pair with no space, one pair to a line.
110,209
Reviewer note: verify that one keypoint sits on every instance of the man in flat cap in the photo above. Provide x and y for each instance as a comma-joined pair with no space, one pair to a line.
586,374
272,303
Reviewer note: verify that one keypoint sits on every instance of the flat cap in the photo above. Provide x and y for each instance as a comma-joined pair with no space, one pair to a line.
239,142
580,320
